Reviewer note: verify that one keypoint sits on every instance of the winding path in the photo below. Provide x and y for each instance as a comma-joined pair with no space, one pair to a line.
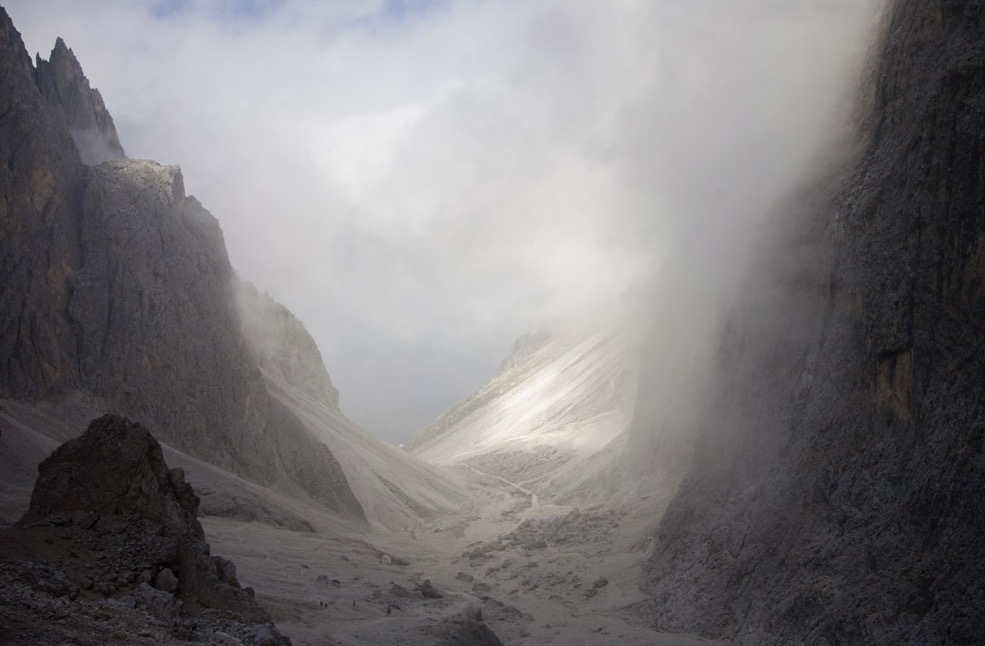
534,500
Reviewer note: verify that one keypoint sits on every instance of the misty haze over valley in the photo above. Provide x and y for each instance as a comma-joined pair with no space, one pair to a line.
475,322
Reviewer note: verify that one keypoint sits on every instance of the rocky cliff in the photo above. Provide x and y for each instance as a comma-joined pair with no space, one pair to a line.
117,290
63,84
835,494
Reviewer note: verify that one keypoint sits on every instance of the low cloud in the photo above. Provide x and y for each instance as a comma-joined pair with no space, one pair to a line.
422,182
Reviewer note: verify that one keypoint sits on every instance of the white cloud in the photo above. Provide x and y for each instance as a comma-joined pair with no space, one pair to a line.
434,181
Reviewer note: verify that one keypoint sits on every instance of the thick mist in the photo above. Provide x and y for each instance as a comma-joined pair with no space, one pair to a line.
748,122
422,183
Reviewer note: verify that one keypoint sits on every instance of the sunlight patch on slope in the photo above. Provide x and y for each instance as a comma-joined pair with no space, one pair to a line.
555,409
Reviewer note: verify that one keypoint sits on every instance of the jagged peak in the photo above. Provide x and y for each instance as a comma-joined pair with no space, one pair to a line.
63,57
6,23
62,64
11,41
63,84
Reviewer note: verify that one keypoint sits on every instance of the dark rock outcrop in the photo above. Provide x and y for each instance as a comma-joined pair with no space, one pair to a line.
108,519
835,494
115,468
117,288
63,85
428,591
465,630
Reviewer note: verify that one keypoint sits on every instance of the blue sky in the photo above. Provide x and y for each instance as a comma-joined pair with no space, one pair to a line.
254,13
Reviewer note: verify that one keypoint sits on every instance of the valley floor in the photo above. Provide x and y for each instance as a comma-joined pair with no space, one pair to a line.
535,573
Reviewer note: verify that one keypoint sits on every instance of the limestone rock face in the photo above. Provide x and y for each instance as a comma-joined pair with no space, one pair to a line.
282,345
64,86
151,309
40,192
117,288
835,496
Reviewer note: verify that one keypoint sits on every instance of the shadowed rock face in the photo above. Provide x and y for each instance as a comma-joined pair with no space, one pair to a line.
116,467
108,519
151,312
117,288
40,192
63,85
835,496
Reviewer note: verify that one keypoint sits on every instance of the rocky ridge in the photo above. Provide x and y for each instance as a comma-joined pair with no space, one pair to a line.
834,496
63,84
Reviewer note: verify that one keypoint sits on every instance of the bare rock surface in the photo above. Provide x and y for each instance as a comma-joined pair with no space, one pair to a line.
119,295
836,492
118,289
111,527
40,191
63,84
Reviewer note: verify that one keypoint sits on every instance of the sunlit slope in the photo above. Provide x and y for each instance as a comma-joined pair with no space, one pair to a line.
395,489
556,403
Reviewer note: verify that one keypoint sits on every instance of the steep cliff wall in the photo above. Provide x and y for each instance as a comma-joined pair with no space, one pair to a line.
116,287
40,196
835,495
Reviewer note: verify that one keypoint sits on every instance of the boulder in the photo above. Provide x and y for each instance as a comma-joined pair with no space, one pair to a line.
428,591
116,468
110,494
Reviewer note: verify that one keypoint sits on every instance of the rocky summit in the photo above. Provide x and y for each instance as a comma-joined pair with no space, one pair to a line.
112,549
63,84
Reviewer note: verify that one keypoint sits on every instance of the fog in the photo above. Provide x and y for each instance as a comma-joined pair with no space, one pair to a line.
422,182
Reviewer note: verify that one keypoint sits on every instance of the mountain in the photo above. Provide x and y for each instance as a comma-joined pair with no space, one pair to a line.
814,478
66,88
835,491
558,403
118,295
